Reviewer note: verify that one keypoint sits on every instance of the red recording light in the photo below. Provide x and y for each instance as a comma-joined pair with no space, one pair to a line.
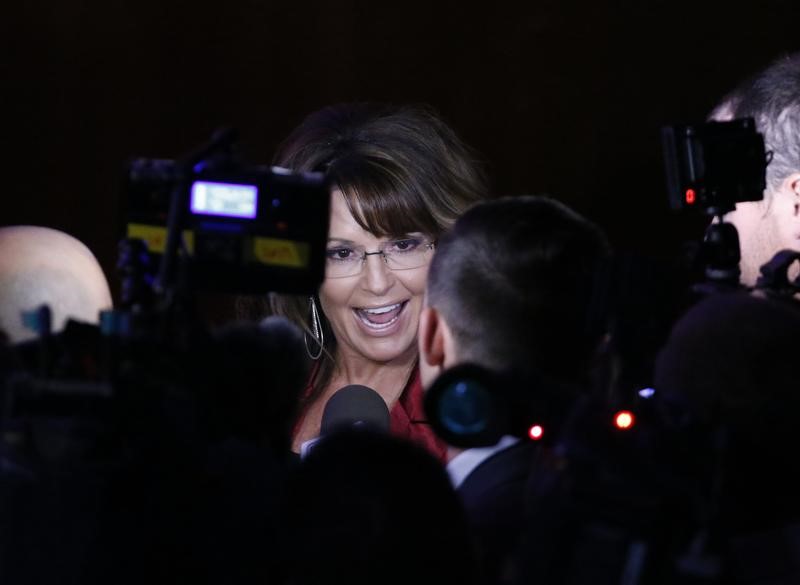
624,420
691,196
536,432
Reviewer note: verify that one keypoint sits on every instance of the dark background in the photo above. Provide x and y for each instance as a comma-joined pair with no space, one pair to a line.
561,97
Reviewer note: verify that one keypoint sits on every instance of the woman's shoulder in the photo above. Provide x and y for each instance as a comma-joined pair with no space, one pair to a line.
408,419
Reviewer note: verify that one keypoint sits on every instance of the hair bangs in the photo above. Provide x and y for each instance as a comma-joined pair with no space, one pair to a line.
382,200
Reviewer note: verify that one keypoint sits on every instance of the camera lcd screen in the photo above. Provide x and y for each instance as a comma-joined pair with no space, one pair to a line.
226,199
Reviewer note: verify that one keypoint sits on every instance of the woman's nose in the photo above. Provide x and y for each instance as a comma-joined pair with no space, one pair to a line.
376,276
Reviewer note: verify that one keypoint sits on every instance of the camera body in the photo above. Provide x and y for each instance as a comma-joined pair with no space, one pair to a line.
714,165
202,222
243,229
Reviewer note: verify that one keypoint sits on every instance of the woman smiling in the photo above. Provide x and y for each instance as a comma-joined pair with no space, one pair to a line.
399,177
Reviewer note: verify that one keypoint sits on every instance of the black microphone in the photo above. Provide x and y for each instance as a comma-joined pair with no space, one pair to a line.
353,406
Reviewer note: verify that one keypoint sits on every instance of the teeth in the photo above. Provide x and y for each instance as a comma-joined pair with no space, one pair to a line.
379,326
381,310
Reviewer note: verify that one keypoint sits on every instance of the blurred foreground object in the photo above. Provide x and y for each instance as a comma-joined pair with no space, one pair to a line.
43,266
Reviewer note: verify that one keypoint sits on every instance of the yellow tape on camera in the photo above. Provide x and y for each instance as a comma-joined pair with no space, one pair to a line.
276,252
155,236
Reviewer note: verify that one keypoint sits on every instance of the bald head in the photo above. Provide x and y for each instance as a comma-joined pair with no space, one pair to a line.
40,265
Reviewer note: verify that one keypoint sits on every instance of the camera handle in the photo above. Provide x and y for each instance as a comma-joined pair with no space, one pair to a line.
134,267
220,145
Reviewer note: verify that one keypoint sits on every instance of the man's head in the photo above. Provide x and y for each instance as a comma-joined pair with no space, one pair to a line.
730,362
772,99
40,265
512,286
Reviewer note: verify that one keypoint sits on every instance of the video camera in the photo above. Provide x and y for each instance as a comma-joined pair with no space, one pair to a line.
600,505
471,406
714,166
202,222
237,228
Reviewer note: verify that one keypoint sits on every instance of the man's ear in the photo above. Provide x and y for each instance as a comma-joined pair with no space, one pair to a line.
793,183
431,337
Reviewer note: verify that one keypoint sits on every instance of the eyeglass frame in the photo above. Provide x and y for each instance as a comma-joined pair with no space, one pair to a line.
428,245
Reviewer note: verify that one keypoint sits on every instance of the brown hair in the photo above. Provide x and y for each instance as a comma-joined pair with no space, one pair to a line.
400,169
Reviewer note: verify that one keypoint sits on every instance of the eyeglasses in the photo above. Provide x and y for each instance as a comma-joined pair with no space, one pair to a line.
401,254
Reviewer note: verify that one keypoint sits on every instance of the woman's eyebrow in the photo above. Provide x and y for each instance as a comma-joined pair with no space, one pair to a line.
342,241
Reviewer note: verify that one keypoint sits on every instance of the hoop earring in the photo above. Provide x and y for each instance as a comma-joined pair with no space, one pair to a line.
316,330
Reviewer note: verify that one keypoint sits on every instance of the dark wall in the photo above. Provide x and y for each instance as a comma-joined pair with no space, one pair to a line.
557,96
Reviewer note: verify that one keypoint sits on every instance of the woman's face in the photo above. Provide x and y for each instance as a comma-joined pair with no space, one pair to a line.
374,314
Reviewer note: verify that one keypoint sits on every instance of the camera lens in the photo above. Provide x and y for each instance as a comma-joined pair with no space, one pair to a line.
465,408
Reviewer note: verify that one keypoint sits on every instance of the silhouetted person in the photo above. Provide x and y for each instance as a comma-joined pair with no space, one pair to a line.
368,508
772,98
731,365
48,502
202,498
512,289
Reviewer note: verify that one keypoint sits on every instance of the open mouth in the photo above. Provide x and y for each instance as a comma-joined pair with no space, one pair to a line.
380,318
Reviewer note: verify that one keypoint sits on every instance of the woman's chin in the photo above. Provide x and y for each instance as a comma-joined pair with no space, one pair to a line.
389,349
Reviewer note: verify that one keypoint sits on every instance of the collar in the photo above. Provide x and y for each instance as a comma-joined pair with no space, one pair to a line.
465,462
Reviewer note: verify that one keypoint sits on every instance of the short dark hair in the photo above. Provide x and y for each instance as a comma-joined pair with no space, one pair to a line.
772,98
401,170
515,280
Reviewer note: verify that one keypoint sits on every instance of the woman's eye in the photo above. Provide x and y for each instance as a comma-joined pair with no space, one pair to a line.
340,254
405,245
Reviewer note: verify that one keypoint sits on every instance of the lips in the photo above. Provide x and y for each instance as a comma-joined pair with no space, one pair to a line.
379,318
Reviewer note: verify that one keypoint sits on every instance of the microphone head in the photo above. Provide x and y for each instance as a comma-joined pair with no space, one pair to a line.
355,406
